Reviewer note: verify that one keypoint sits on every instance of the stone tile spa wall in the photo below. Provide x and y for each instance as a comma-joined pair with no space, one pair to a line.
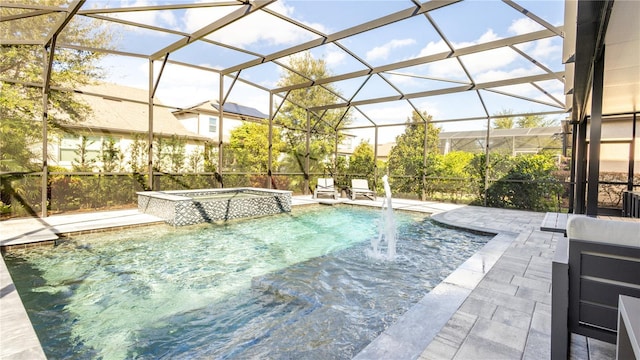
179,208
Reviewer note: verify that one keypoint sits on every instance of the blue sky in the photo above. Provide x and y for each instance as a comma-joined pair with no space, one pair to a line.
463,24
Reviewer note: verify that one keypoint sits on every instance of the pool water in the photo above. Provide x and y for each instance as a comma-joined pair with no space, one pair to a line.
294,285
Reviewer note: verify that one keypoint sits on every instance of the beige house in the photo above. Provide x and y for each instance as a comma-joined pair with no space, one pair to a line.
384,150
121,114
203,119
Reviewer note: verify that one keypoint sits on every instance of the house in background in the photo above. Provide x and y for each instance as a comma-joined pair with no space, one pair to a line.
203,119
347,146
384,150
121,114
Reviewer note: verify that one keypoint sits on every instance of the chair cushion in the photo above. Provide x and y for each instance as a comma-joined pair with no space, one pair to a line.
604,231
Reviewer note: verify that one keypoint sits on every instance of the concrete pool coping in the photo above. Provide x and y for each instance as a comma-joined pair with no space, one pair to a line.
439,326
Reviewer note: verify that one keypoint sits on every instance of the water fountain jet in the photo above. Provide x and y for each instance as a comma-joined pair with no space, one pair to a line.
387,228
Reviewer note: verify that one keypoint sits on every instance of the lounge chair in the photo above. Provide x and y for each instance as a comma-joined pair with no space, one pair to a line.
361,187
325,187
597,261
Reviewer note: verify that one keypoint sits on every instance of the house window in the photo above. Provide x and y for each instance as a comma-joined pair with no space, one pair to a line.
213,124
70,146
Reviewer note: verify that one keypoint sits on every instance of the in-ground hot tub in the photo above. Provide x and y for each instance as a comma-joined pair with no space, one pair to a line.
188,207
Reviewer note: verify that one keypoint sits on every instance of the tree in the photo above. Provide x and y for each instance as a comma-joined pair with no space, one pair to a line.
21,105
362,160
138,154
533,121
84,161
406,159
293,116
210,155
110,155
504,121
160,154
195,161
249,146
138,160
455,174
175,154
529,184
520,182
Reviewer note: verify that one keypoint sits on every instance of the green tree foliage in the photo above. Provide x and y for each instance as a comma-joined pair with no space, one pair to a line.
455,164
477,169
249,146
159,154
110,155
21,105
84,161
521,182
361,161
406,159
504,120
176,154
533,121
195,160
293,116
210,155
450,181
138,154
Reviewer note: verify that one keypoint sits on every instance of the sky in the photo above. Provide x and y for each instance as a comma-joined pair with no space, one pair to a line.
464,24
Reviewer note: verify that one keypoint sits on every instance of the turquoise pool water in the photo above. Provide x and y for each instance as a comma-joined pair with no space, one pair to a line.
295,285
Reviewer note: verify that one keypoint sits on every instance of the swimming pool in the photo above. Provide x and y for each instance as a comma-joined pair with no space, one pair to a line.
294,285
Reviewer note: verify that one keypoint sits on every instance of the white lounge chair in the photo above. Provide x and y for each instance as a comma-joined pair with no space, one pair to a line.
361,187
325,187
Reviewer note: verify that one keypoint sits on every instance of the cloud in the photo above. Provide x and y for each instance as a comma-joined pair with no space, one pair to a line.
486,37
540,49
526,90
433,48
184,86
168,18
154,18
489,60
494,75
555,88
524,26
382,52
265,28
430,106
179,86
492,65
334,58
450,68
389,113
547,48
401,80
